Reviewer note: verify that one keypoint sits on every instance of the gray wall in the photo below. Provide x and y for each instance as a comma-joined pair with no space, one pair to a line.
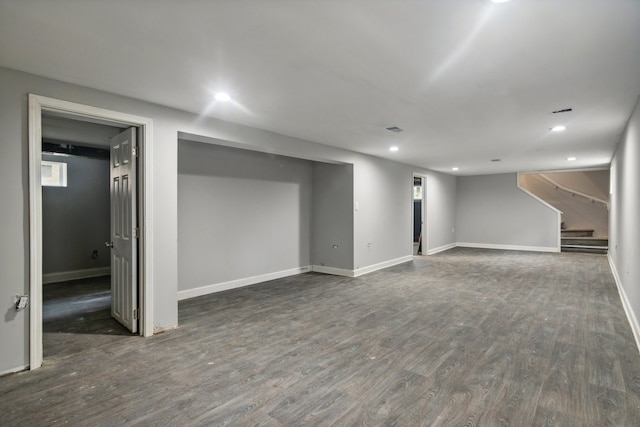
75,218
240,214
441,202
383,221
492,210
384,217
624,217
332,218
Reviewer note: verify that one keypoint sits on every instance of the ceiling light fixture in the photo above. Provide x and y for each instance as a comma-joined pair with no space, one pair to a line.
393,148
559,128
222,97
455,168
571,159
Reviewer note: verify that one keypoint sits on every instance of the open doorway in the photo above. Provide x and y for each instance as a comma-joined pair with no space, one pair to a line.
419,235
138,209
76,219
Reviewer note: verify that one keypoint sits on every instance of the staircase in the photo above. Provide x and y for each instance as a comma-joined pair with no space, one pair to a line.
582,240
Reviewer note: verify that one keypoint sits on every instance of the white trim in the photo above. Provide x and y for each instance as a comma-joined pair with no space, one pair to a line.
507,247
35,233
37,104
240,283
441,249
379,266
626,304
332,270
63,276
14,370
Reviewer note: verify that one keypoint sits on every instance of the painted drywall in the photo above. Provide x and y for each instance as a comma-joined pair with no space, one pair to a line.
441,206
493,212
593,183
332,216
624,224
240,214
384,217
577,212
75,218
384,199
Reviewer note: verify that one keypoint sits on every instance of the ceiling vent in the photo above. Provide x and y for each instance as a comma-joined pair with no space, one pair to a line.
394,129
564,110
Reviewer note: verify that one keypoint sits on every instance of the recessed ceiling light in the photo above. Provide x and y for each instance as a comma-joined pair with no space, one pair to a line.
455,168
393,148
223,97
559,128
571,159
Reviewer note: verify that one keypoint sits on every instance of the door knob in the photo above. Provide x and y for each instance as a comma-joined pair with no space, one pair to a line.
108,244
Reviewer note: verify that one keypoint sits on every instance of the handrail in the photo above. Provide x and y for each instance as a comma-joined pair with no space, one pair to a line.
574,192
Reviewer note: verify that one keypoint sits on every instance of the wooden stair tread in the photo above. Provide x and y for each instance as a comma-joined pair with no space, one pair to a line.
583,238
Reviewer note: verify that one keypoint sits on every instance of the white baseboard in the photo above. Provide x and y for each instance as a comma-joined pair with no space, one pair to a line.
63,276
332,270
14,370
381,265
441,249
239,283
631,317
507,247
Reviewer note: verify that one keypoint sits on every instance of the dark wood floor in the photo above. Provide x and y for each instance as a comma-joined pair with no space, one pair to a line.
466,337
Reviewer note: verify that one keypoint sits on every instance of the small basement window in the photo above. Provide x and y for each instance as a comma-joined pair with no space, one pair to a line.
54,174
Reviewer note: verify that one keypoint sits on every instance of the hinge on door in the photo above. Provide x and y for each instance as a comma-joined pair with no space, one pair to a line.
134,151
136,233
135,314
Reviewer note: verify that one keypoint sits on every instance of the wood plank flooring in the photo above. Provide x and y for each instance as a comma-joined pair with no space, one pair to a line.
467,337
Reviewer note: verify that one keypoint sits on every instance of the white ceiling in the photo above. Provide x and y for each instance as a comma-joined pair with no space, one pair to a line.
467,80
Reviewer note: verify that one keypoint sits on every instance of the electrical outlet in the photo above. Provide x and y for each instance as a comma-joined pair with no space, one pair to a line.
22,301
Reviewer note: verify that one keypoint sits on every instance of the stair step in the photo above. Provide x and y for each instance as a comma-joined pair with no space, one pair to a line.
585,246
585,249
584,241
577,232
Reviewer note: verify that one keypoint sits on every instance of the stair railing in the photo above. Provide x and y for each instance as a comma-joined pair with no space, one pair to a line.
574,192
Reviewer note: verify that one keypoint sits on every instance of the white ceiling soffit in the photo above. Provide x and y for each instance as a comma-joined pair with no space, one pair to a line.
468,80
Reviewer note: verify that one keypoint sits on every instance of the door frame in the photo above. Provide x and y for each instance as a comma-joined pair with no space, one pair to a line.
37,105
423,212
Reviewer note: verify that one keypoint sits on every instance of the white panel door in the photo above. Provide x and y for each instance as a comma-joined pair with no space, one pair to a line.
124,272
